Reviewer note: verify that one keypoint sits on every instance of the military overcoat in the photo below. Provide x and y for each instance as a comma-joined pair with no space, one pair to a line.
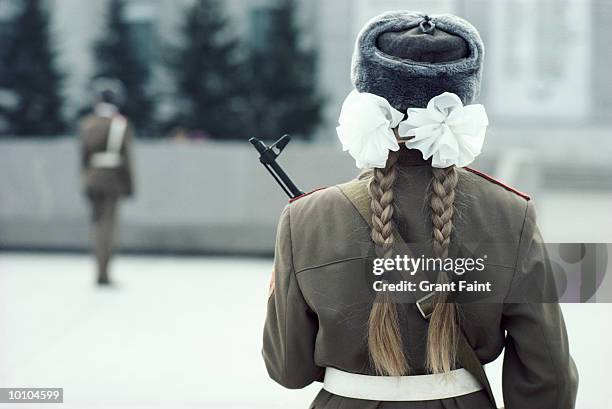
318,311
94,132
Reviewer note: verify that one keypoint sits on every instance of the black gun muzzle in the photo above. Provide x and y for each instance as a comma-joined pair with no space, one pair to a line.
268,155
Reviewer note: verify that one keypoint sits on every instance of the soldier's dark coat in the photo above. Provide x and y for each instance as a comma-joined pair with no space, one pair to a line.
317,314
117,182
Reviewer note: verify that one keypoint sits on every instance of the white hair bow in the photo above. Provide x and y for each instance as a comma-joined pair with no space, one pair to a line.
446,131
366,129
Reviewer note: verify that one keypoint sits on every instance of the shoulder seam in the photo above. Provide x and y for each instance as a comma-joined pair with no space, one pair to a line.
499,183
306,194
518,250
330,263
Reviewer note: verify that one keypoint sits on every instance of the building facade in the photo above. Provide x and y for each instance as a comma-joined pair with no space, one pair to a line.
546,59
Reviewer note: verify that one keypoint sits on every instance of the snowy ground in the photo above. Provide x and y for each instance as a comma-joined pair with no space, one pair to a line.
180,333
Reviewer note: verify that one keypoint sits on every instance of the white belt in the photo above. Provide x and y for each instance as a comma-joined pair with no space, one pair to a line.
105,160
111,157
400,388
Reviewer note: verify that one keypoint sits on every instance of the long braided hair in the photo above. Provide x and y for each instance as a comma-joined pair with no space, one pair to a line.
384,338
442,335
385,343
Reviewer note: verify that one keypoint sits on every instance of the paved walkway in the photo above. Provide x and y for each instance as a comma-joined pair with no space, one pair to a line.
178,333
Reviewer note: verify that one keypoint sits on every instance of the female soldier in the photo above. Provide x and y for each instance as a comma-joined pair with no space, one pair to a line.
415,78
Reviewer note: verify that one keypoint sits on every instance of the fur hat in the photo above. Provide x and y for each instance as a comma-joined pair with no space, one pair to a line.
108,90
408,67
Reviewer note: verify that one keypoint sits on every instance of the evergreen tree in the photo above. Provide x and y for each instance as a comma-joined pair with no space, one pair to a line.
31,82
116,58
283,95
208,74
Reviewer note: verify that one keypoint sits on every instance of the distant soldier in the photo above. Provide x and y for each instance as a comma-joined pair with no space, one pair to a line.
105,146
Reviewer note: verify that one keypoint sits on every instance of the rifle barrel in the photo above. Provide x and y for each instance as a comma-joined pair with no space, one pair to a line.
268,159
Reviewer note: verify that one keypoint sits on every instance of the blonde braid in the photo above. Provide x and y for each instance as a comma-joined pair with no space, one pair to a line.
381,192
384,337
443,325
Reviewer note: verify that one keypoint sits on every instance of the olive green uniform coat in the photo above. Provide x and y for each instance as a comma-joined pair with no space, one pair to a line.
104,186
93,131
318,311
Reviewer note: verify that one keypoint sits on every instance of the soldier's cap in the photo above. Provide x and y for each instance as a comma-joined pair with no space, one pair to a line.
408,58
108,90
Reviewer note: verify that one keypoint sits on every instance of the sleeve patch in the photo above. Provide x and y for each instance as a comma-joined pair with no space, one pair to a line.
497,182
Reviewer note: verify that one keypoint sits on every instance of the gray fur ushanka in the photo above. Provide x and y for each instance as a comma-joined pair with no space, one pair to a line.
411,84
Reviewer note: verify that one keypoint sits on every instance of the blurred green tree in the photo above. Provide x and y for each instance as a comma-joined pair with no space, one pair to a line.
283,94
209,78
31,90
116,58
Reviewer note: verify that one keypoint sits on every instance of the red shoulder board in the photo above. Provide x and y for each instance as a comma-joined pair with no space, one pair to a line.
305,194
497,182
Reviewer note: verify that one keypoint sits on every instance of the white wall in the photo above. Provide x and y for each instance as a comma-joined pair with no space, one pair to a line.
216,197
209,197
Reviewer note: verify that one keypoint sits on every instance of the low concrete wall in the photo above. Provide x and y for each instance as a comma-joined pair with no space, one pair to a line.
217,198
190,197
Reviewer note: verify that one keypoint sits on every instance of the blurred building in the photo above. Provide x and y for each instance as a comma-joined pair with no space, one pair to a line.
546,89
546,59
